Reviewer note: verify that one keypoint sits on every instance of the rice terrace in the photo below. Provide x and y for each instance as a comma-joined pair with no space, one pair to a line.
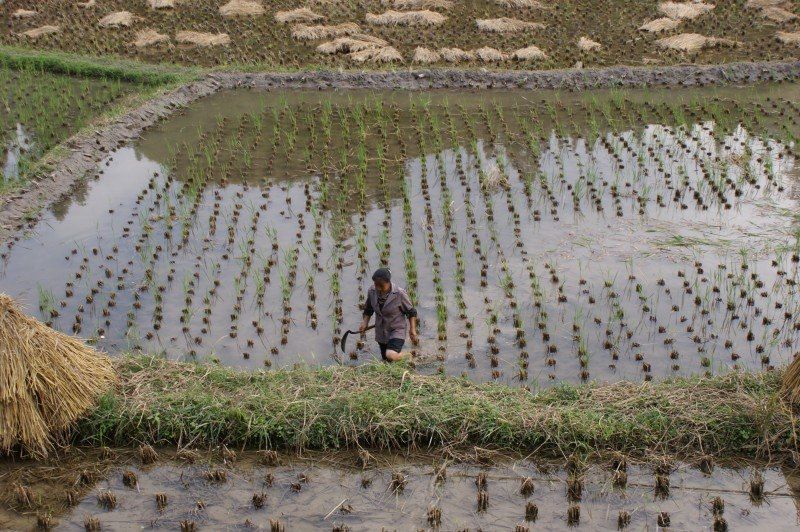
399,265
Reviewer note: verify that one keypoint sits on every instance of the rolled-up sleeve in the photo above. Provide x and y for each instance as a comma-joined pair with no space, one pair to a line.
406,306
368,310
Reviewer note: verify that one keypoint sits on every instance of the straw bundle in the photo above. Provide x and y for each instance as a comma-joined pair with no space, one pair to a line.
161,4
425,56
789,37
488,54
149,37
117,19
506,25
525,4
529,53
387,54
202,39
660,24
419,4
456,55
240,8
588,45
692,42
791,381
304,32
301,14
47,380
684,10
23,13
35,33
345,45
758,4
406,18
778,14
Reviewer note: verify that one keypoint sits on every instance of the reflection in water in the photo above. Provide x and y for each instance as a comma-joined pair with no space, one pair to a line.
618,236
16,150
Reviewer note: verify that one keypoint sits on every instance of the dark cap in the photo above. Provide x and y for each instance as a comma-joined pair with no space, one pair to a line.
384,274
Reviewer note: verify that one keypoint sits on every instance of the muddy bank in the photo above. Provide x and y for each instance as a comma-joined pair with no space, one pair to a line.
21,209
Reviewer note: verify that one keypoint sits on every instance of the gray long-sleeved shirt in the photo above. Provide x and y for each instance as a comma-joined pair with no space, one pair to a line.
391,315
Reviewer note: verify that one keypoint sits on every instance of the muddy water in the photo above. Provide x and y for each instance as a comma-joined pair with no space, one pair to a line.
544,237
321,492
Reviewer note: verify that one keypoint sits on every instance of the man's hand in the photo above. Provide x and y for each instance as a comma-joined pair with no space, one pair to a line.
414,337
363,327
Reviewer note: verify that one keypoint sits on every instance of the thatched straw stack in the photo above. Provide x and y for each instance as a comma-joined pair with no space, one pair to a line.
789,37
425,56
419,4
660,24
149,37
588,45
487,54
23,13
406,18
684,10
692,42
199,38
304,32
456,55
529,53
386,54
346,45
301,14
118,19
506,25
35,33
47,380
241,8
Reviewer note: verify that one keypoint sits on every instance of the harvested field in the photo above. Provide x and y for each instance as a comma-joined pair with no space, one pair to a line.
201,256
264,35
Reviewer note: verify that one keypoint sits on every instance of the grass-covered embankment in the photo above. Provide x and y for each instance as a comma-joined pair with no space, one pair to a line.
390,406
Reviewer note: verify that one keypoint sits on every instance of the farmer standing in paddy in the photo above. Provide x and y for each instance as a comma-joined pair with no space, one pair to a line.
393,312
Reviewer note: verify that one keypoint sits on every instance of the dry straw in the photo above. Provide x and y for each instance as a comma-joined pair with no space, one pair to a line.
692,42
778,14
386,54
791,381
588,45
241,8
684,10
425,56
161,4
456,55
660,24
523,4
202,39
406,18
23,13
117,19
35,33
488,54
529,53
149,37
47,380
301,14
345,45
789,37
419,4
506,25
304,32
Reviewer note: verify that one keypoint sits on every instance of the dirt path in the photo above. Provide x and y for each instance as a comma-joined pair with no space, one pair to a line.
21,209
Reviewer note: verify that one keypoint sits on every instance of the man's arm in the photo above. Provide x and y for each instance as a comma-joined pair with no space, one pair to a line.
412,329
368,312
411,313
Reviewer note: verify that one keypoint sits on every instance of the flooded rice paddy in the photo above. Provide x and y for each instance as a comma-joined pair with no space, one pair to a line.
228,491
544,237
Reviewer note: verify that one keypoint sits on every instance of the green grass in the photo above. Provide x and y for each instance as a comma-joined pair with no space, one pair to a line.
391,407
95,67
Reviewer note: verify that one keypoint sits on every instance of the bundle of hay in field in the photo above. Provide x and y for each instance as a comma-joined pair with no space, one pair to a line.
778,14
301,14
241,8
161,4
660,24
789,37
419,4
47,380
23,13
198,38
529,53
304,32
684,10
346,45
524,4
386,54
588,45
456,55
149,37
692,42
35,33
118,19
425,56
506,25
406,18
487,54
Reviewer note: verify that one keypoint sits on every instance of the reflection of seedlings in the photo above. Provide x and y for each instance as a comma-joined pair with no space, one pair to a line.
720,524
398,482
107,500
259,499
91,524
531,512
521,528
526,488
434,516
574,489
757,487
480,480
623,519
574,515
129,479
188,526
663,519
161,501
717,506
276,526
483,500
620,479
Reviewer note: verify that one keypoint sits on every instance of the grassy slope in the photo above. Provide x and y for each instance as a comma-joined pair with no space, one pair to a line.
390,406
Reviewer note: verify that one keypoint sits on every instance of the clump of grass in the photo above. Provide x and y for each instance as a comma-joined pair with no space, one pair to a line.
385,406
